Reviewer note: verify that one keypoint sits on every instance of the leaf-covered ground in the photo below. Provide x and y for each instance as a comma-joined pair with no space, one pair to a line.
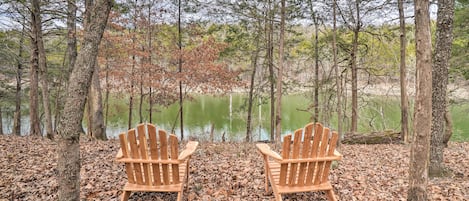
222,171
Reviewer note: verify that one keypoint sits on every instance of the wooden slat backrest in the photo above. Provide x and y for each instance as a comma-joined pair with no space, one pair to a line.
285,154
330,152
314,152
322,151
154,154
142,138
164,155
173,141
134,154
125,153
296,153
146,145
306,150
304,172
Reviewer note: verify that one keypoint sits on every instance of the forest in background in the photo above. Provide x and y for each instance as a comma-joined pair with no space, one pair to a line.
218,47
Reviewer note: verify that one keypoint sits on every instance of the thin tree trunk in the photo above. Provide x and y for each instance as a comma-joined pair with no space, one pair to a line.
106,96
69,128
270,58
444,40
403,76
96,106
1,122
181,113
34,85
278,115
37,32
150,32
254,59
354,69
420,150
337,79
19,74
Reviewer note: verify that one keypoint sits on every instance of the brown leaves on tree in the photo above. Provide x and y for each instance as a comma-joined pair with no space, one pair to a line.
222,171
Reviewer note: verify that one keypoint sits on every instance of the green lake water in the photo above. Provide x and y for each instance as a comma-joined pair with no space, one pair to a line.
375,114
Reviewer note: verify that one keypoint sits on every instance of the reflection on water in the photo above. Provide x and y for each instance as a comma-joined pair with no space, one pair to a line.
228,116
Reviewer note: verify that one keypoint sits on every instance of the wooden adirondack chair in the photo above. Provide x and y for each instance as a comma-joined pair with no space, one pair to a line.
152,162
304,166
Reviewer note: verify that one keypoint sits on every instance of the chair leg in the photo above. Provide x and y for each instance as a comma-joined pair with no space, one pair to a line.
278,196
330,195
179,196
125,195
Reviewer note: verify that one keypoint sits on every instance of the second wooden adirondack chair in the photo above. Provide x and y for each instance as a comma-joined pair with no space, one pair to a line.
304,166
152,162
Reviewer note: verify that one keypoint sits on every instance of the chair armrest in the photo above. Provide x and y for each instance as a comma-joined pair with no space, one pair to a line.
189,150
119,154
265,150
336,153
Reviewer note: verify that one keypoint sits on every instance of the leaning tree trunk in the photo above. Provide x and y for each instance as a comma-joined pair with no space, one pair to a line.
69,128
403,76
254,59
96,107
444,40
42,63
420,150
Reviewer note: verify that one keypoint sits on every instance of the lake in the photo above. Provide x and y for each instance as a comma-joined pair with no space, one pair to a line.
228,115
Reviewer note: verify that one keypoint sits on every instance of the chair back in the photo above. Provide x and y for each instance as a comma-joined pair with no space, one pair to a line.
307,161
150,159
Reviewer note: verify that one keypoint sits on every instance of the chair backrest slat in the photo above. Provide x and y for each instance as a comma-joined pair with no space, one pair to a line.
134,154
296,153
142,139
330,152
306,149
173,141
322,152
285,154
164,155
154,154
125,153
314,152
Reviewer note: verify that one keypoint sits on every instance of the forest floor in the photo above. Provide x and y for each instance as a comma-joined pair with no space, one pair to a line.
223,171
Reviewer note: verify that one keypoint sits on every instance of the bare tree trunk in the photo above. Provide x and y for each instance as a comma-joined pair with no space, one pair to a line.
420,150
337,74
181,111
1,122
278,119
444,41
34,86
254,59
448,128
150,32
354,69
70,58
96,107
270,58
69,128
19,74
403,76
37,34
106,96
140,104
